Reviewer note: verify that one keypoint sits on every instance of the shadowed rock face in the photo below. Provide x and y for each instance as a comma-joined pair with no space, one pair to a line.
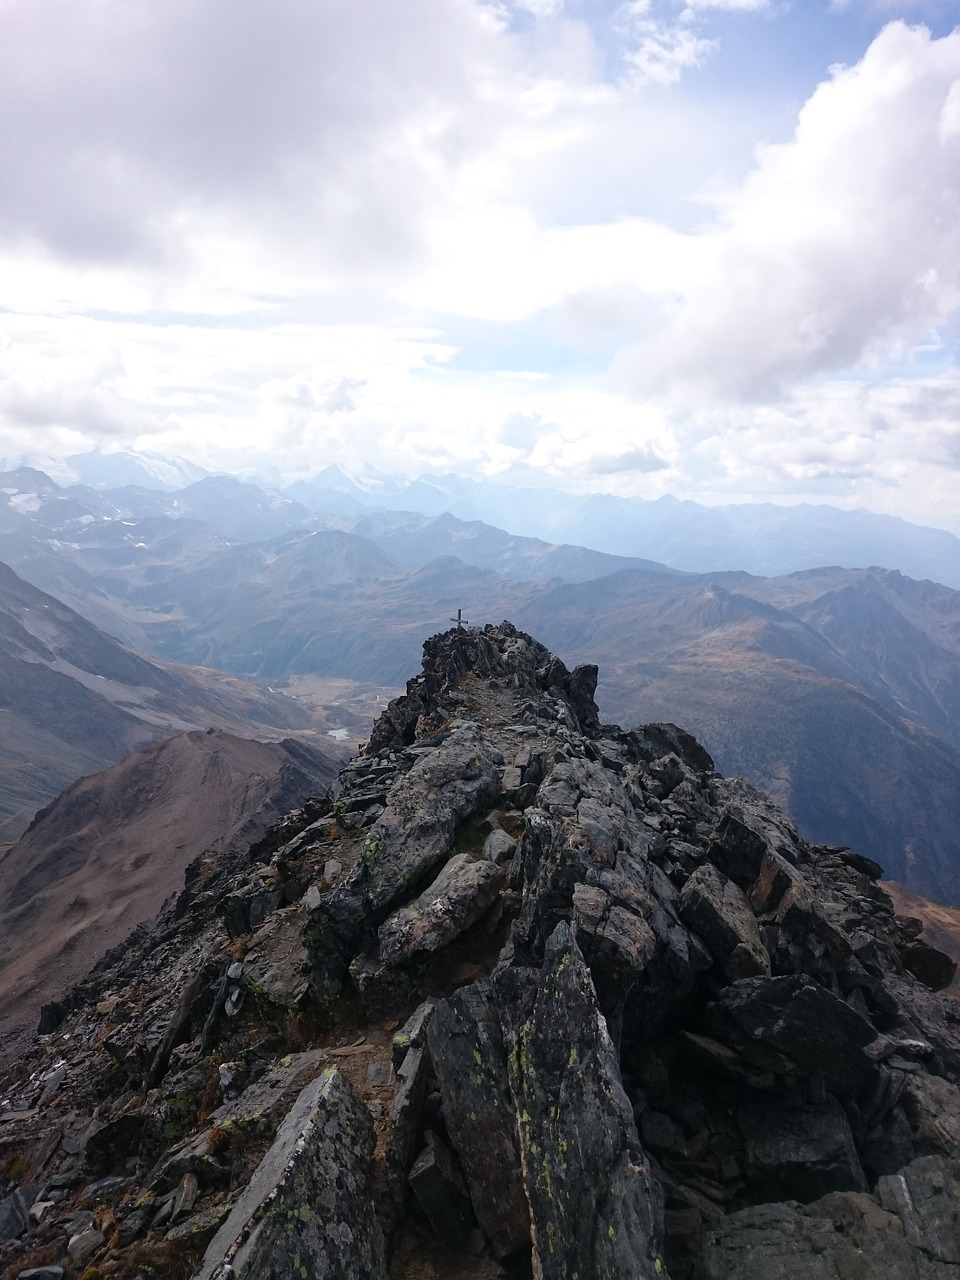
595,1010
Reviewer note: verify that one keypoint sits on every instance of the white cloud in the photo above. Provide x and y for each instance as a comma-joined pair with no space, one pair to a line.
842,244
136,122
412,236
663,48
734,6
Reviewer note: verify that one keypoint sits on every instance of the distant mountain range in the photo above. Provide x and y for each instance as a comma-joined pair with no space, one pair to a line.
836,689
761,538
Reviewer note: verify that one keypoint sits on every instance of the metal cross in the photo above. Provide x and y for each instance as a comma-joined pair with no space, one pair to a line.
460,620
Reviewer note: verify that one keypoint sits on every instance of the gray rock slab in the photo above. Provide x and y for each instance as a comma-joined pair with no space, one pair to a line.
309,1204
595,1205
455,900
720,913
796,1017
467,1051
276,964
799,1153
926,1195
14,1216
843,1236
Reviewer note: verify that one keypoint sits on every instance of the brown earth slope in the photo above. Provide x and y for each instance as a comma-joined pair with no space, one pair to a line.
109,851
73,700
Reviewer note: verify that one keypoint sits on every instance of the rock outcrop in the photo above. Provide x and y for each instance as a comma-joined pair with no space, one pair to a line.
528,995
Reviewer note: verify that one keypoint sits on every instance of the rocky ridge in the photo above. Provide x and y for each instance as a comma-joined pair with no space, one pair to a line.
527,995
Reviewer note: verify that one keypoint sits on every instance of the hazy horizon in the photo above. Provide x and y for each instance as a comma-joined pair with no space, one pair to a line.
699,247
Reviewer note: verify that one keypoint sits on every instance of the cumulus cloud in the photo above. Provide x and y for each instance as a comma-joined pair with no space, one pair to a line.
644,459
842,243
663,47
127,122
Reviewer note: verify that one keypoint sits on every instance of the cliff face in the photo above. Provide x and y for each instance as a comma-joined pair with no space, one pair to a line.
529,996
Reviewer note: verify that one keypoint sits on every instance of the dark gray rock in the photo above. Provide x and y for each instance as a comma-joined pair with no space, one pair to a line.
926,1195
798,1153
928,965
413,1033
499,846
403,848
14,1216
814,1029
738,850
441,1193
405,1127
467,1050
718,910
310,1202
595,1205
844,1236
451,903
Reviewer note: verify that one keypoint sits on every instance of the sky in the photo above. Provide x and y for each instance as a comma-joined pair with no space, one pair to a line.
701,247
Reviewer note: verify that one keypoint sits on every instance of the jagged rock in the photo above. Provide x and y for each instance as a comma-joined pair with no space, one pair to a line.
799,1153
404,846
719,911
441,1193
926,1195
310,1202
454,901
934,969
845,1234
738,850
780,1013
932,1107
775,877
467,1050
595,1205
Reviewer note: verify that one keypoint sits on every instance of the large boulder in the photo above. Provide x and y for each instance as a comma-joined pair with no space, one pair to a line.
466,1046
719,911
843,1236
595,1205
799,1153
308,1209
817,1033
407,843
455,900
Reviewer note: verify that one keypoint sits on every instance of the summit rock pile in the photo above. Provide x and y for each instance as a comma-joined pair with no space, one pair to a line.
526,995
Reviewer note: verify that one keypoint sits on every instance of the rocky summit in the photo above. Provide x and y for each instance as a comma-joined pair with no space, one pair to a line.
525,995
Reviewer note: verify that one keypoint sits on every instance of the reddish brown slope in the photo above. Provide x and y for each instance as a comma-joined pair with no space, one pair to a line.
941,925
108,852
